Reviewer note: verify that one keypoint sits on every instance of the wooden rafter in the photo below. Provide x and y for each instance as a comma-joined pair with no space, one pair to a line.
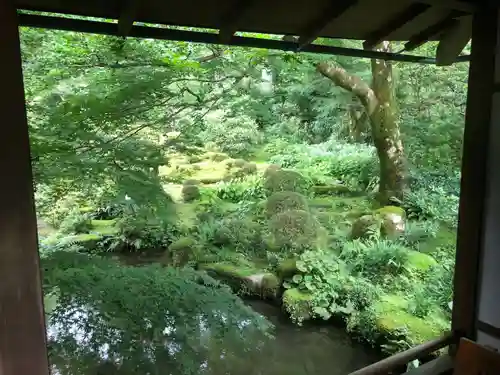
327,16
432,31
127,17
402,18
231,19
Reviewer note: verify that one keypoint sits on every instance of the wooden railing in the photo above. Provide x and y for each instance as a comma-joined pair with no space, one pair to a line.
386,365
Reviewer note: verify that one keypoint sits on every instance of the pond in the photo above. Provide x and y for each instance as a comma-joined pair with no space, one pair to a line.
307,350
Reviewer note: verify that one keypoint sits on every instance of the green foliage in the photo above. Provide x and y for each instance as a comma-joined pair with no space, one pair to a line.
294,230
377,260
240,190
193,318
183,250
286,180
285,200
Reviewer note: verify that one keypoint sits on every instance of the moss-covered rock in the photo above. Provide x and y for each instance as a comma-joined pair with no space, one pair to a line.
271,285
393,221
284,201
365,226
295,230
420,261
216,156
298,305
287,268
190,193
286,180
104,227
182,251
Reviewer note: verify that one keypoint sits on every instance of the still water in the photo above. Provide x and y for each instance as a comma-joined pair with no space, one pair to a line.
307,350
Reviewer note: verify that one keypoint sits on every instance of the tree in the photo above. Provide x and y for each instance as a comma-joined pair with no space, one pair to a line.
380,105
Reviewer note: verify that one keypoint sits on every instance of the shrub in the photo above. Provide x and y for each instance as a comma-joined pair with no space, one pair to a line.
286,180
271,169
190,193
294,230
240,234
238,163
284,201
191,182
249,168
76,222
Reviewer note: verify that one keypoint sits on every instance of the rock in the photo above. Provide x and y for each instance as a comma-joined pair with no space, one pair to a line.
271,286
298,305
365,226
190,193
393,221
287,268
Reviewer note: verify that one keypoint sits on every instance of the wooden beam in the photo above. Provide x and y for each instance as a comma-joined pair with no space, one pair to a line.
232,18
106,28
327,16
23,347
401,19
475,175
127,17
432,31
465,6
453,41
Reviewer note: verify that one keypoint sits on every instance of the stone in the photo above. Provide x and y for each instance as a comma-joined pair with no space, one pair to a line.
393,221
298,305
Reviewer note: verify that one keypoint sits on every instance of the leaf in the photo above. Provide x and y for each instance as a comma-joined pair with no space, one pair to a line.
297,279
301,266
322,312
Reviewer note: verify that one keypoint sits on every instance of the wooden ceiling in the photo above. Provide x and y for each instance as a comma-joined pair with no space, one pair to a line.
414,22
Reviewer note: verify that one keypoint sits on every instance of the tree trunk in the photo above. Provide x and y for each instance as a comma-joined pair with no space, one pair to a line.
380,106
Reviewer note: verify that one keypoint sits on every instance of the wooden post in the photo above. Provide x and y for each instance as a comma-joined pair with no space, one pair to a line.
22,324
477,270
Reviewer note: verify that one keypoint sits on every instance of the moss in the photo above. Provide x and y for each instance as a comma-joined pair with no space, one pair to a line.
287,268
216,156
239,163
284,201
297,304
106,227
237,277
286,180
420,261
190,193
294,229
391,317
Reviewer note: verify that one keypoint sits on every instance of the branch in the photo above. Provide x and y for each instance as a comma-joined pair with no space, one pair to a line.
351,83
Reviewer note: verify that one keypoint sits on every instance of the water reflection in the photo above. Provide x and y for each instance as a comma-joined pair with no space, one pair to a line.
293,350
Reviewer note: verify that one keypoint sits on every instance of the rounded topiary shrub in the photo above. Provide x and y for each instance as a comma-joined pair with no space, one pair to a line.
295,230
249,168
239,163
271,169
284,201
190,193
240,234
286,180
182,251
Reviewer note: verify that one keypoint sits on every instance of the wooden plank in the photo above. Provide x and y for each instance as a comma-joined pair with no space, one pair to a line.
474,173
324,19
105,28
401,19
473,359
22,322
427,34
453,41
